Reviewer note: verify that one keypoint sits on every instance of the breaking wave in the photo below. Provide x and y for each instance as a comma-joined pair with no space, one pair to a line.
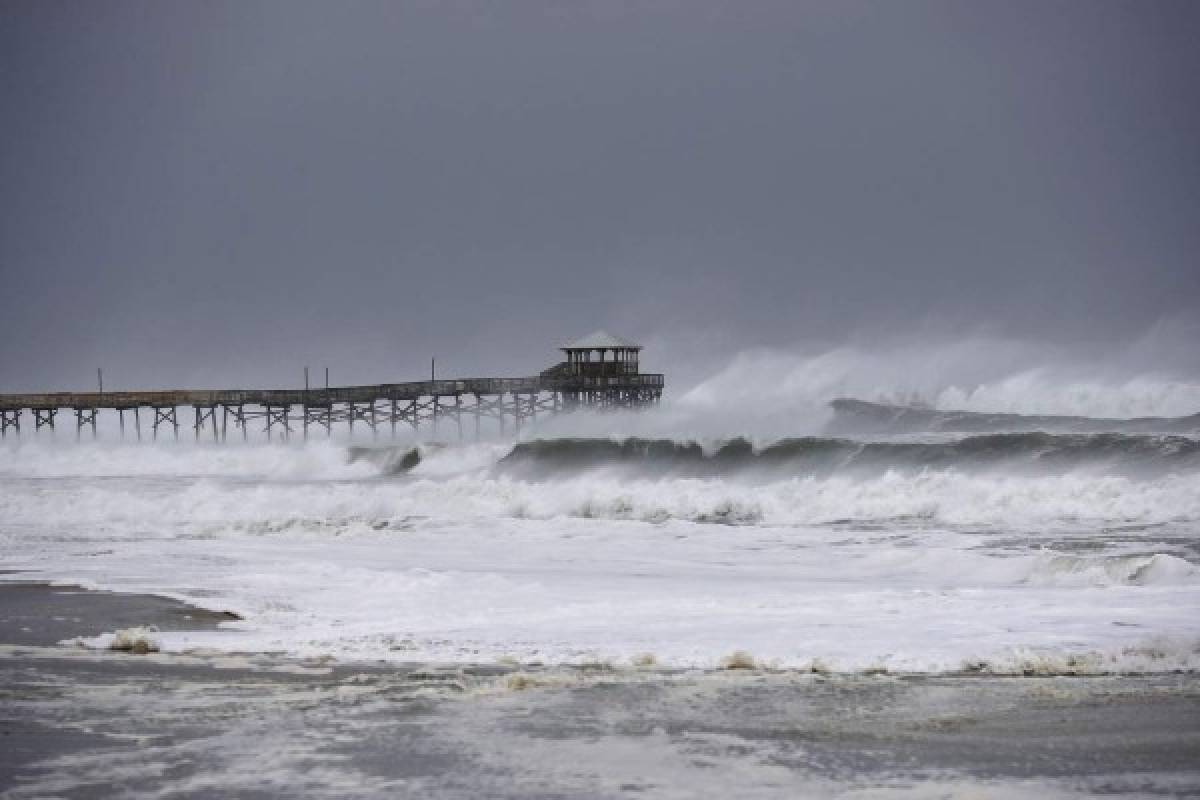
857,417
1158,569
812,456
1013,554
901,500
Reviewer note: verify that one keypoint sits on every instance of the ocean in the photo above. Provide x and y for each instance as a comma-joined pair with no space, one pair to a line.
1004,553
933,556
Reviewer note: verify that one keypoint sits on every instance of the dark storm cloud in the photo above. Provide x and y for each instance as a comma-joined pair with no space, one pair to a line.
211,192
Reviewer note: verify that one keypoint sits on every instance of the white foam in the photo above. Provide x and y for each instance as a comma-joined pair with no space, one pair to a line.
316,460
1131,570
926,572
211,505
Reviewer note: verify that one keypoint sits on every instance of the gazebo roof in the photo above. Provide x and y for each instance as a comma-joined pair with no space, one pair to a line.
601,340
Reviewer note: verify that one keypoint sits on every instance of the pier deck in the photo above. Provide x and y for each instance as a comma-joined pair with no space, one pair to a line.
413,404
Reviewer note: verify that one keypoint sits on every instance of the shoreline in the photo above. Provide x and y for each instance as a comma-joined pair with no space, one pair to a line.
43,613
87,723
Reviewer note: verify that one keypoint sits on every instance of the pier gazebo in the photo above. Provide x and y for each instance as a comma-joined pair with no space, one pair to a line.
601,353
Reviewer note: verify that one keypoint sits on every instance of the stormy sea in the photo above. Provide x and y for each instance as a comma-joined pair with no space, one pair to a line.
904,603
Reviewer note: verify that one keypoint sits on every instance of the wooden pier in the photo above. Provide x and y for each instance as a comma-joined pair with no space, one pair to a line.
589,378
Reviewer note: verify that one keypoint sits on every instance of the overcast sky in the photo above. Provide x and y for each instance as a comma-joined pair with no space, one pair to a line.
215,193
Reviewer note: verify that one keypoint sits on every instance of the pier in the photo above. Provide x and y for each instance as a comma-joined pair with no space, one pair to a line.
600,372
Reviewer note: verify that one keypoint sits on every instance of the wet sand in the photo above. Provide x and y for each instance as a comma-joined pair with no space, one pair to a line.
38,614
77,723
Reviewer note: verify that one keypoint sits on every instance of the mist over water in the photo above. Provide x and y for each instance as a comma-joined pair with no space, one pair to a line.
771,393
714,391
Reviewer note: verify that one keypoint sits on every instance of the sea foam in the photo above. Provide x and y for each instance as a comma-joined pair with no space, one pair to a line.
900,570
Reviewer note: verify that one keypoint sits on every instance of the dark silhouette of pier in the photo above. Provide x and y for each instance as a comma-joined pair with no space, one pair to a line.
601,371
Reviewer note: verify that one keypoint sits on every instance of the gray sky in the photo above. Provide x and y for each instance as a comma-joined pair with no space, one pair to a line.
219,193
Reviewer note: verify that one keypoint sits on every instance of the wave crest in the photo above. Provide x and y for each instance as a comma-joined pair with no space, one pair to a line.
815,456
1158,569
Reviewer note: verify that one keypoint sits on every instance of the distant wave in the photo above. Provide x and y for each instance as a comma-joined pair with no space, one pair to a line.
549,458
853,416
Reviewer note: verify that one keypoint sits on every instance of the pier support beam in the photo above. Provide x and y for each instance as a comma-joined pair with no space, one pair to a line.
239,420
319,415
84,416
10,419
43,418
278,415
165,415
362,412
205,414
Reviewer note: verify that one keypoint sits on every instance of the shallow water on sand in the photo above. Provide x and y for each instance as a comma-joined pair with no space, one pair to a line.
82,723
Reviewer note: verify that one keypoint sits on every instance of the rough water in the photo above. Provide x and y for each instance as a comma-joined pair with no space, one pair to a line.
1029,553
